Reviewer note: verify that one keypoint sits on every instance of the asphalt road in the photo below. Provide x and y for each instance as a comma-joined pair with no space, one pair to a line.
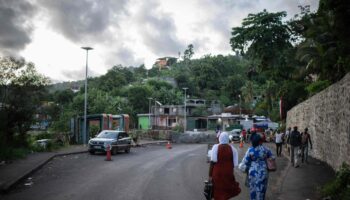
152,172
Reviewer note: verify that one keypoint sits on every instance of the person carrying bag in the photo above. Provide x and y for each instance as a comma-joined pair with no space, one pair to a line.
256,163
208,189
223,159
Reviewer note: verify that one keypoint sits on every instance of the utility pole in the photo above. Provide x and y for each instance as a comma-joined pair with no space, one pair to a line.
185,122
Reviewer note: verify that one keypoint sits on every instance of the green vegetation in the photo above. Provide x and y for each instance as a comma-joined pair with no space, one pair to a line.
15,151
339,188
276,59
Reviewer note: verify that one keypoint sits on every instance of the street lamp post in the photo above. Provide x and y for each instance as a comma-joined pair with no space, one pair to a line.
185,124
149,112
85,96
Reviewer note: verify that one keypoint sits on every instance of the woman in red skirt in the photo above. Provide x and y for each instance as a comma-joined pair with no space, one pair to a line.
223,159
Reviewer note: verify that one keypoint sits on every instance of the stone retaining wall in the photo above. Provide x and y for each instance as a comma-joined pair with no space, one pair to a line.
327,116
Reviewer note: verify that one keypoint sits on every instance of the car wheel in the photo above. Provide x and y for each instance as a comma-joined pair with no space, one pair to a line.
127,150
92,152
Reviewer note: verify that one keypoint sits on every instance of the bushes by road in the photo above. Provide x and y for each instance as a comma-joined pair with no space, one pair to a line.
339,188
50,142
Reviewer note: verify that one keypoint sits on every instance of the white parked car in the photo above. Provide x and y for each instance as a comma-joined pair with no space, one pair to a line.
234,135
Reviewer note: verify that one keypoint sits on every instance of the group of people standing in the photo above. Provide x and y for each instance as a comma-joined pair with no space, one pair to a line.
224,158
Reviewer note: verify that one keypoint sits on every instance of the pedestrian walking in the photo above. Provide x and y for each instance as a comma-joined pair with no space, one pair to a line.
305,141
286,139
224,158
217,132
295,145
254,163
248,135
279,142
286,136
244,134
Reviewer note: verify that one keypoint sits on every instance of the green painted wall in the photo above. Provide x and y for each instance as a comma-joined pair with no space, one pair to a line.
143,122
212,124
190,125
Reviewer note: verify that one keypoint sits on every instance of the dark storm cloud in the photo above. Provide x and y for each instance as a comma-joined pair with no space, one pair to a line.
123,56
158,30
242,4
80,73
83,19
15,25
226,11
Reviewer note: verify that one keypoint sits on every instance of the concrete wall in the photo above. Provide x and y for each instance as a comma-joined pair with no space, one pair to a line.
327,115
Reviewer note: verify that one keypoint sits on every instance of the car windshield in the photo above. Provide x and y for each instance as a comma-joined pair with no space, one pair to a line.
109,135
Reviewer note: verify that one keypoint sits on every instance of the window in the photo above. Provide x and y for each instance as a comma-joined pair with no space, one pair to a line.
166,110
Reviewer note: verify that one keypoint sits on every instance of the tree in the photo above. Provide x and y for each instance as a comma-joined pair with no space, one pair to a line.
325,48
270,91
233,85
264,38
21,90
188,53
248,92
200,111
140,72
137,99
206,76
117,76
63,97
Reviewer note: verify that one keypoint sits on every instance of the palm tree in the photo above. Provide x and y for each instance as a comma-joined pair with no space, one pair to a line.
248,92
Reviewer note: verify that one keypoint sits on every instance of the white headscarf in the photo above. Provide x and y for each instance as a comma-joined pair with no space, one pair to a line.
224,139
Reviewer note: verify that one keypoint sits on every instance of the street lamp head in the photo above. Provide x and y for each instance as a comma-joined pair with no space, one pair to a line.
87,48
185,88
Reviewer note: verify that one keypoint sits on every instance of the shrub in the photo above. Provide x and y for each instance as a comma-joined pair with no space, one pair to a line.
50,146
10,153
93,130
178,128
339,188
44,135
317,86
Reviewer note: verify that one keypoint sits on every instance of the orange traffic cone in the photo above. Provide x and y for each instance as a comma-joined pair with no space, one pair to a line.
168,146
241,144
108,158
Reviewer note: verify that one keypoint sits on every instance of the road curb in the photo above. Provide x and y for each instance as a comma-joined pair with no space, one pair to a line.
8,186
150,143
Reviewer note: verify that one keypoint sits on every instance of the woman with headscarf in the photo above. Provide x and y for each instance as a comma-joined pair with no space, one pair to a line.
223,159
255,162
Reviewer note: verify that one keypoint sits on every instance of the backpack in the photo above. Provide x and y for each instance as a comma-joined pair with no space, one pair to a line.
295,138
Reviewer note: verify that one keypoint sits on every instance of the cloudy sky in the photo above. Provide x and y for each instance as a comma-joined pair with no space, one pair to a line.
50,33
